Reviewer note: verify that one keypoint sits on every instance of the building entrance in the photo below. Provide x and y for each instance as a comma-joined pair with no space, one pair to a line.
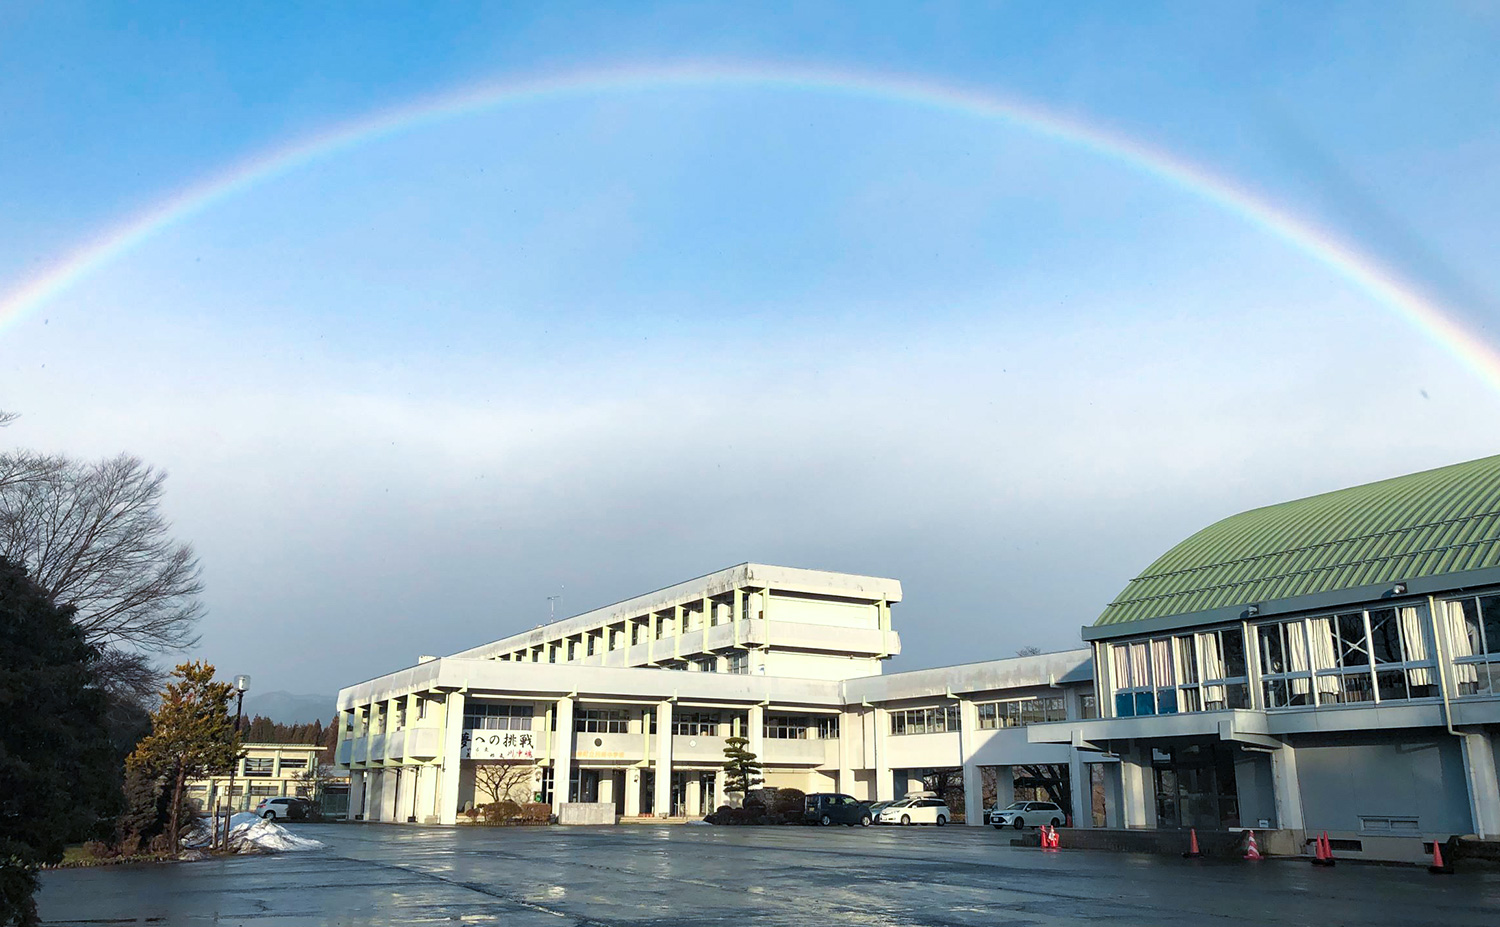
1195,786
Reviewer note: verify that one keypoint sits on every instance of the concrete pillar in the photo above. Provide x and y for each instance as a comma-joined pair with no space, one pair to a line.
1137,809
562,754
757,733
1287,788
632,792
1484,788
1113,796
451,758
846,752
1005,786
356,794
427,809
885,785
663,797
734,617
1083,793
692,797
607,786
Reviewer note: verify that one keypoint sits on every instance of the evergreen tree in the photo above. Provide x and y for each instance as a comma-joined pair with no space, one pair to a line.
56,776
741,767
192,736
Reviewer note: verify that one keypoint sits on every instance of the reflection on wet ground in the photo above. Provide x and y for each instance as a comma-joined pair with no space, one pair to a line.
382,874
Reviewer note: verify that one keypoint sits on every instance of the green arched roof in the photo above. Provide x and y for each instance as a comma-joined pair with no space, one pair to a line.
1423,524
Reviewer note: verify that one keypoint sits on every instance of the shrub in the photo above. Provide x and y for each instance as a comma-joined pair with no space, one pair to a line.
501,812
98,849
535,812
786,806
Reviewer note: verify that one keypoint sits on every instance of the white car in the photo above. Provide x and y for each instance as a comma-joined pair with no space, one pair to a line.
1027,814
916,811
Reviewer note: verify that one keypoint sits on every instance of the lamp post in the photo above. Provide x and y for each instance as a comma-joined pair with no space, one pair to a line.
241,683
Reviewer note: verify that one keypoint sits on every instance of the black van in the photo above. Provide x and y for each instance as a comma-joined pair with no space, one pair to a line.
834,808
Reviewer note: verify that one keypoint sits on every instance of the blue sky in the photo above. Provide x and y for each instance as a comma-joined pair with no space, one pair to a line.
603,342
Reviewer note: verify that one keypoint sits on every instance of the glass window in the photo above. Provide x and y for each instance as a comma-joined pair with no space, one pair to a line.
696,723
828,727
707,664
485,716
925,720
259,765
1333,659
739,663
786,727
601,721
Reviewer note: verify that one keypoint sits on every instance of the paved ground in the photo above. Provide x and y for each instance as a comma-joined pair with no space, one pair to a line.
794,876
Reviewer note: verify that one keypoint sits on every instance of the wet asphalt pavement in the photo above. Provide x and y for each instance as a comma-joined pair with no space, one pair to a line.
671,875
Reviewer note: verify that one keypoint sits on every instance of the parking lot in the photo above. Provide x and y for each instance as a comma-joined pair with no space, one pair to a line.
666,875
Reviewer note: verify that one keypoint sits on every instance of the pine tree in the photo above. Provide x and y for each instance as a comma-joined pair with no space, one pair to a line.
741,767
56,773
192,736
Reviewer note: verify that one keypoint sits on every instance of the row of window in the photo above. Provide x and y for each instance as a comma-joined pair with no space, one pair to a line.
1020,712
801,727
640,629
484,716
1370,655
925,720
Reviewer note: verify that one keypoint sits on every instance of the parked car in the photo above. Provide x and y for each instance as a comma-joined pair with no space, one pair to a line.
878,807
836,808
286,809
916,811
1020,814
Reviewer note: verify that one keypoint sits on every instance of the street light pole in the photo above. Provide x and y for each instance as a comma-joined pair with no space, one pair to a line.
241,683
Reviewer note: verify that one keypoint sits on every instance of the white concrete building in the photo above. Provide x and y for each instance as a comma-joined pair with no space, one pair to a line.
788,658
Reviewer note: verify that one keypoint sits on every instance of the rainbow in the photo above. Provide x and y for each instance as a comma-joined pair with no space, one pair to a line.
1437,323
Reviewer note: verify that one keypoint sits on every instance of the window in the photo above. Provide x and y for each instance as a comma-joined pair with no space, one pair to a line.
259,765
786,727
289,762
828,727
1473,628
591,639
552,654
421,708
483,716
1351,657
707,664
266,789
1088,706
1201,671
1020,712
739,663
601,721
572,651
925,720
696,724
400,715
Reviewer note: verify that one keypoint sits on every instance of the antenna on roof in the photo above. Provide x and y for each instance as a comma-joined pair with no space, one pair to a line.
552,607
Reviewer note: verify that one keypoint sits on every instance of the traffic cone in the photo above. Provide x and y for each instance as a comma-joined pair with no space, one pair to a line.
1056,839
1322,851
1439,867
1251,850
1193,852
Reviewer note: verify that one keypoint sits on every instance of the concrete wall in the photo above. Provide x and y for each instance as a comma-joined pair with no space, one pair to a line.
1409,773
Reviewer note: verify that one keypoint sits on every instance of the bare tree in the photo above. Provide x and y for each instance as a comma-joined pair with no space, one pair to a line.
503,780
1052,778
92,535
1028,651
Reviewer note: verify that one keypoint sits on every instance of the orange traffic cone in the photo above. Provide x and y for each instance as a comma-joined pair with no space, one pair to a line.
1322,851
1251,850
1193,852
1439,867
1056,839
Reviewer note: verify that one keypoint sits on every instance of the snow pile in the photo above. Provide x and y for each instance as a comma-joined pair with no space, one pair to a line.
248,833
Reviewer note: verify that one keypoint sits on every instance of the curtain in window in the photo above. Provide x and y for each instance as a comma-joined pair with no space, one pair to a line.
1296,656
1119,665
1414,644
1463,637
1140,667
1213,666
1161,662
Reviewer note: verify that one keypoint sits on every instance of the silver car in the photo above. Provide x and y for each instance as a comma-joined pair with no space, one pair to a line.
1021,814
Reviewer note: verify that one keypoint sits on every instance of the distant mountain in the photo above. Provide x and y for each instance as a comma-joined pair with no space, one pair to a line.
288,708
